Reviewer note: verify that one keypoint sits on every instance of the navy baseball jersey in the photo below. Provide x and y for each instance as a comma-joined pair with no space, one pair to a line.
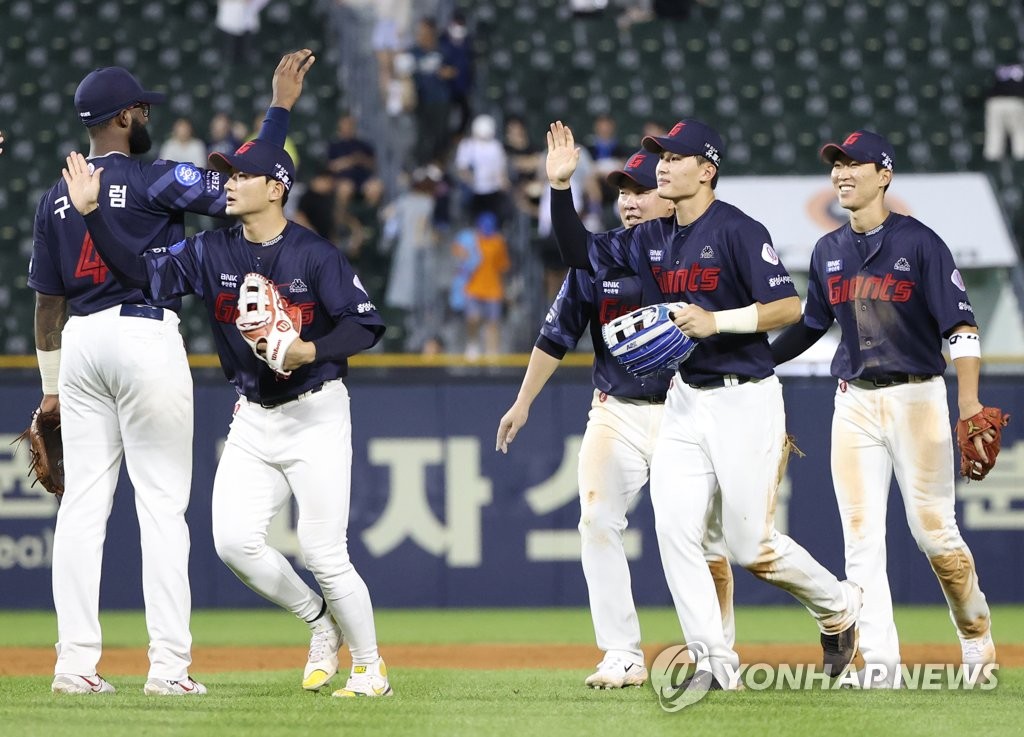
896,293
148,199
585,300
723,260
307,270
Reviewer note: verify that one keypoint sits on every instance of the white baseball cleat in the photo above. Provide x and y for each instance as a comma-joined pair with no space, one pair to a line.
616,672
367,680
72,684
978,651
164,687
323,654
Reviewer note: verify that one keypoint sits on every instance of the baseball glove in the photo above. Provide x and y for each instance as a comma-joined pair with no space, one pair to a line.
46,451
265,319
972,465
646,341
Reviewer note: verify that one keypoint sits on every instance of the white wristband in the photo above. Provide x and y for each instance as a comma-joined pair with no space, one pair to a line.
49,369
742,320
964,345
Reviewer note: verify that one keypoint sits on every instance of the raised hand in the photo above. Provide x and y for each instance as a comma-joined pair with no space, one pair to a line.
288,76
83,182
563,155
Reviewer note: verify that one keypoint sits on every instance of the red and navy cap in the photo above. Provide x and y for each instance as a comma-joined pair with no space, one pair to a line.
690,138
640,167
862,146
105,92
257,157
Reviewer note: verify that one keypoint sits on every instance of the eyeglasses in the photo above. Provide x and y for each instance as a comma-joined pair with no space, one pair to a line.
143,106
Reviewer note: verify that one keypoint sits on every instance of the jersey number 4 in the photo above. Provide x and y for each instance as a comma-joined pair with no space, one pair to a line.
89,262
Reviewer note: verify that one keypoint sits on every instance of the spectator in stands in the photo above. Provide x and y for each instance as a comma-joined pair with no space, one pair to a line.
1004,113
316,206
222,138
353,162
390,36
400,106
483,169
239,20
412,241
183,144
609,155
433,94
457,49
485,289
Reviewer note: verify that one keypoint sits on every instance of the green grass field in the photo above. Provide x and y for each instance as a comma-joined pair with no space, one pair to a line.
444,701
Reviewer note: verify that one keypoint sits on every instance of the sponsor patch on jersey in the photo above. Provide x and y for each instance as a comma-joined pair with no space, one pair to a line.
707,252
212,182
769,255
177,248
656,255
779,279
901,265
229,280
187,174
958,280
965,307
833,265
610,287
359,285
297,286
365,307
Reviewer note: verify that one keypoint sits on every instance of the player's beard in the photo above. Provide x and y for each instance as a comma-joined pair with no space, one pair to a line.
139,141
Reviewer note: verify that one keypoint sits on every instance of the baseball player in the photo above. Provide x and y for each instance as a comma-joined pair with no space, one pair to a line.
113,363
291,432
722,442
891,283
619,440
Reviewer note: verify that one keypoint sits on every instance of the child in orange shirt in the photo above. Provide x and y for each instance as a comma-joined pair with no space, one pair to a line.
485,290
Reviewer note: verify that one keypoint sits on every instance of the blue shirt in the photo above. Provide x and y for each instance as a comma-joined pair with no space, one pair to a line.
147,202
723,260
895,305
307,270
585,300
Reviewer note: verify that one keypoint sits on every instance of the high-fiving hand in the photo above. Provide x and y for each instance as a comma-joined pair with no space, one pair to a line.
83,182
287,83
562,155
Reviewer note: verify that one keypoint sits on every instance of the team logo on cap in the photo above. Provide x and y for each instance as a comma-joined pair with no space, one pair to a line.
676,128
635,161
244,147
852,138
186,174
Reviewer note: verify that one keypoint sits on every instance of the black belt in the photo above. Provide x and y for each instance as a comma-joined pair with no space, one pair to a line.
719,381
881,381
655,399
149,311
271,403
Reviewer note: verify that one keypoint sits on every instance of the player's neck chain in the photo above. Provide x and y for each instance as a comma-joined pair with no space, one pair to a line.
271,242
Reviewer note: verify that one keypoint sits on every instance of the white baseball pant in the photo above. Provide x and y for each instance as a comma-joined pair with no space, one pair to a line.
302,448
614,464
903,428
728,442
125,391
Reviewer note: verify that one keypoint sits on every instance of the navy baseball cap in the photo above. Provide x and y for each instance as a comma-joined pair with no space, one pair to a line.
107,91
640,167
864,147
257,157
691,138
